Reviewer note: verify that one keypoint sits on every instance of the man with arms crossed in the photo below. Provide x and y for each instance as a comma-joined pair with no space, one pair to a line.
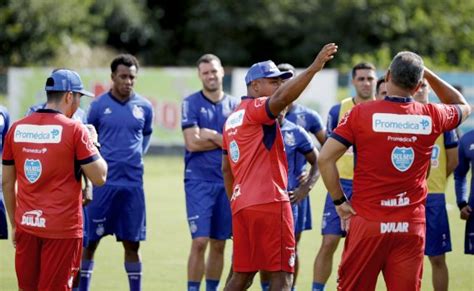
255,174
123,120
208,209
363,80
465,199
444,159
46,153
393,139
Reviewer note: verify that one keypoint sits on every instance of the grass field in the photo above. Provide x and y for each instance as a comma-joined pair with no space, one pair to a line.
166,250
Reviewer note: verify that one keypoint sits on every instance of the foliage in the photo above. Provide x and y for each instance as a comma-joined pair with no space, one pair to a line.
241,32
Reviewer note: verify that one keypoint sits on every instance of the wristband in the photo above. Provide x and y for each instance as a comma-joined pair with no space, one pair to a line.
462,204
339,201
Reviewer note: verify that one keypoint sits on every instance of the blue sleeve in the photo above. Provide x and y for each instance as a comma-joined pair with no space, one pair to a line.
450,139
333,118
6,117
460,184
148,127
316,124
304,141
189,116
146,143
93,115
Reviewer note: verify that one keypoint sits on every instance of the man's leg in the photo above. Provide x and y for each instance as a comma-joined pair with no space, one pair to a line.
297,261
440,276
214,264
87,265
239,281
133,264
323,263
196,264
280,281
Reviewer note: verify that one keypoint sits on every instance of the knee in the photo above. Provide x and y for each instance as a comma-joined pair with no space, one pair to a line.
438,261
329,244
217,246
131,248
199,245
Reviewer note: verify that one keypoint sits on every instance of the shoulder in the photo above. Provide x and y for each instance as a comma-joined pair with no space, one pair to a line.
140,100
231,99
193,97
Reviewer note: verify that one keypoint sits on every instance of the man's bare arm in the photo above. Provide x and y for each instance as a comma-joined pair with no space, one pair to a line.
228,176
201,139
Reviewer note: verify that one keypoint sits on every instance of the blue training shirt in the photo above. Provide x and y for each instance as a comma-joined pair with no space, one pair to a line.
198,110
297,143
4,124
121,127
466,161
307,118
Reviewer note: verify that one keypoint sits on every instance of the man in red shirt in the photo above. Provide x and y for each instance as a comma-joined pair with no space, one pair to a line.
393,139
46,153
255,174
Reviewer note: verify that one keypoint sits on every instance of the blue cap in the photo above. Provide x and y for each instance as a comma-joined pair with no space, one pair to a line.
66,80
266,69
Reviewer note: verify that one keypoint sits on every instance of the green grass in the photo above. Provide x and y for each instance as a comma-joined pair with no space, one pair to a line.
166,250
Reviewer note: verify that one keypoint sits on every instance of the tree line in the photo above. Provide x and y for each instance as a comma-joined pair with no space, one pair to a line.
175,33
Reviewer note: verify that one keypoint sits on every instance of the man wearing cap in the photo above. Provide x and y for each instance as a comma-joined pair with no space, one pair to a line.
45,154
123,120
255,174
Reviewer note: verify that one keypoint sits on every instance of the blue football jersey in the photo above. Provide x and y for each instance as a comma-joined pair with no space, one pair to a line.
307,118
80,115
121,127
466,162
297,144
198,110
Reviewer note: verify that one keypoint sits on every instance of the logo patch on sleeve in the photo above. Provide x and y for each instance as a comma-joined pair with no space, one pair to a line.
234,151
402,158
235,119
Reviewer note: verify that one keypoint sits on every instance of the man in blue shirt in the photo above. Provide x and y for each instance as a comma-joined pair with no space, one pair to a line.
298,144
4,125
123,120
203,116
464,200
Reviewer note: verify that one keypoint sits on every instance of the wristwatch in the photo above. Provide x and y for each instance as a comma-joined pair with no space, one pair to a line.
339,201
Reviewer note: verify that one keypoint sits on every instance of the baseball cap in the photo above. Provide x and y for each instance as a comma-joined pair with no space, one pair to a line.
66,80
266,69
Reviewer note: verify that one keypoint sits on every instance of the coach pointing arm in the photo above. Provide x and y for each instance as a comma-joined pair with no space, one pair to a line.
292,89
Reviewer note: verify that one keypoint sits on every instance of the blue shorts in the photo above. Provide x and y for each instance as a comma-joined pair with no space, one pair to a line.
3,220
469,236
438,238
302,215
117,210
331,224
208,210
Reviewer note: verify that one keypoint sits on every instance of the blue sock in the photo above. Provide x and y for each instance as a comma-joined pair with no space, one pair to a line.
318,286
75,289
212,285
193,286
86,274
265,286
293,288
134,273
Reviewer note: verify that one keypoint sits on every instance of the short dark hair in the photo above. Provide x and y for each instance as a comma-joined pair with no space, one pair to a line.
362,66
406,70
124,59
207,58
379,82
285,67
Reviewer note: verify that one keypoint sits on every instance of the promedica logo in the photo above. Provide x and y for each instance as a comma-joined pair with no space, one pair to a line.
31,133
402,123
